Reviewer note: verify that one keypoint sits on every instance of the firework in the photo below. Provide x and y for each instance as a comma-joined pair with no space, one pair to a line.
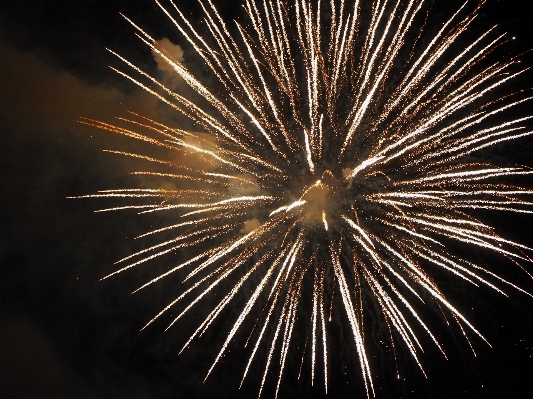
331,163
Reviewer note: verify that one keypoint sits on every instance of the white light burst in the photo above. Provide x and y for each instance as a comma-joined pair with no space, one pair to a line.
332,160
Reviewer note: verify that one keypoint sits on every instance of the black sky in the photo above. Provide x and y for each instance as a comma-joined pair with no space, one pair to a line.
64,333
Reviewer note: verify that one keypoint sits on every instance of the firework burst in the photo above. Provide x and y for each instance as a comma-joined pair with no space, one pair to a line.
331,164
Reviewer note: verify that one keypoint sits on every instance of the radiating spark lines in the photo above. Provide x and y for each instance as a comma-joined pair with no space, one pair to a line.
332,155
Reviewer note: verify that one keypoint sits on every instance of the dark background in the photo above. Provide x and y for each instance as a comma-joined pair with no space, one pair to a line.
65,334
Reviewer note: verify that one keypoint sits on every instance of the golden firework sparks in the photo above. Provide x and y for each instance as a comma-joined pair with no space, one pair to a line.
316,166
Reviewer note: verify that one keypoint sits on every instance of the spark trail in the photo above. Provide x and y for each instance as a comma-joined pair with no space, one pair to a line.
334,154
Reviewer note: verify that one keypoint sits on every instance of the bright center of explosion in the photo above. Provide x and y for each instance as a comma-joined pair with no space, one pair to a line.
323,201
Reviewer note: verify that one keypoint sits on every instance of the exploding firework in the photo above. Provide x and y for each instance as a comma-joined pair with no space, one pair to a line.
330,162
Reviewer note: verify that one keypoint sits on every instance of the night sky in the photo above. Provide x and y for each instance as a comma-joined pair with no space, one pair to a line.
65,334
